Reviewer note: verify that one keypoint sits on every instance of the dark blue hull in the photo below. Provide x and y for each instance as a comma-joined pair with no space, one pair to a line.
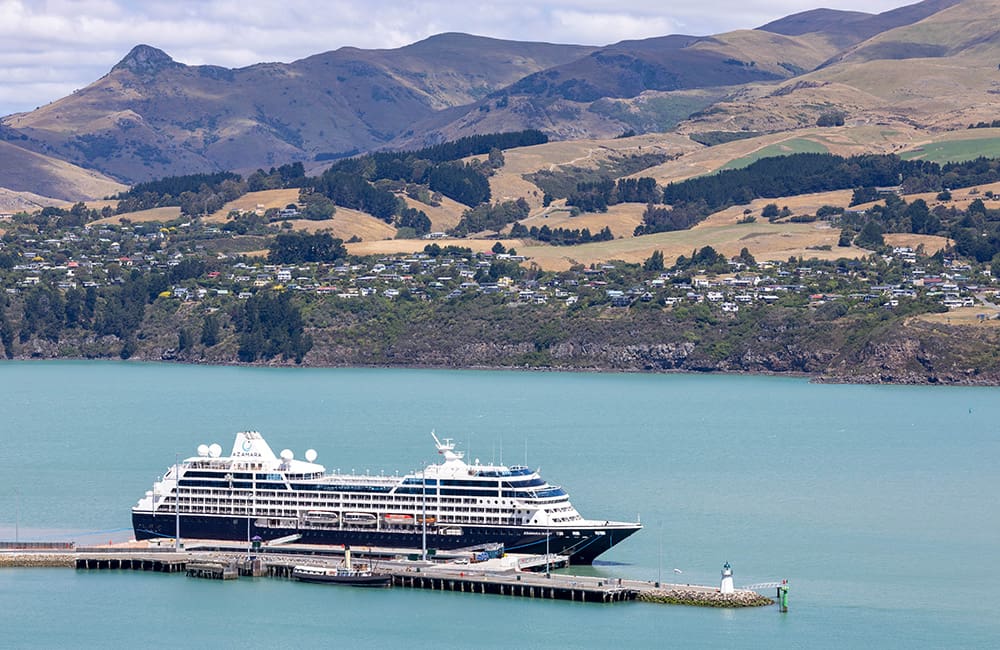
581,544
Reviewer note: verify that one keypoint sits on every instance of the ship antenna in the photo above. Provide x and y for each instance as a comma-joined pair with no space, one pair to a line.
501,449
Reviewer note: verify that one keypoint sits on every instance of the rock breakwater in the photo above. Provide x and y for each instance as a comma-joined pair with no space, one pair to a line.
703,598
13,560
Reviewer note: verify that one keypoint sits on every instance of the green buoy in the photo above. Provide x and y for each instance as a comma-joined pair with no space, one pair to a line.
783,597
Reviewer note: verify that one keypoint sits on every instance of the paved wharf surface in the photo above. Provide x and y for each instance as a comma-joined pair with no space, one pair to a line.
511,575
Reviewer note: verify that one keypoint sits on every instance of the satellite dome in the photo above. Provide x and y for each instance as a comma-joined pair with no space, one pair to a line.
311,455
215,450
286,454
203,450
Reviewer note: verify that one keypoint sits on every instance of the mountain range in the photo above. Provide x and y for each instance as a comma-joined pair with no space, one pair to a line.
931,65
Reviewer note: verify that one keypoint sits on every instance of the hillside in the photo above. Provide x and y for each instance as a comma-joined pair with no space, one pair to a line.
38,179
151,116
647,85
939,72
927,65
847,28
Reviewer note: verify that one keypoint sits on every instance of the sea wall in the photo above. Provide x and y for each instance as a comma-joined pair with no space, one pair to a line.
12,560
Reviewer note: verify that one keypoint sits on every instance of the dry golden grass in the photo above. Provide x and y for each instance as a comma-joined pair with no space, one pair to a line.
101,204
622,219
249,202
510,187
347,223
960,198
588,153
445,216
965,316
143,216
931,243
407,246
11,201
799,205
508,183
47,175
768,50
765,241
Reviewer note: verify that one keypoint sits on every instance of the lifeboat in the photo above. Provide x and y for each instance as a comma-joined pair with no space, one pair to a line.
360,518
398,519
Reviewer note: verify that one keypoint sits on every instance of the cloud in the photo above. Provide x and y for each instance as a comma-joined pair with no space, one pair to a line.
606,28
49,46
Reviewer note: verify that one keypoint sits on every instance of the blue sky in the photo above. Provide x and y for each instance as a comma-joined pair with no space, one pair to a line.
49,48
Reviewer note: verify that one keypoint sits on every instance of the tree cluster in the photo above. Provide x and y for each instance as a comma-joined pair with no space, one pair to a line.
791,175
277,178
704,258
596,196
487,217
475,145
831,118
269,324
53,218
355,192
296,247
438,167
194,193
975,230
560,236
415,219
680,217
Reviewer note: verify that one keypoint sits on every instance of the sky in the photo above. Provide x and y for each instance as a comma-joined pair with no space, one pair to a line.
49,48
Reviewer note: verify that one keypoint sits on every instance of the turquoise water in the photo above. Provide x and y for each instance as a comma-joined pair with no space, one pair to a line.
878,503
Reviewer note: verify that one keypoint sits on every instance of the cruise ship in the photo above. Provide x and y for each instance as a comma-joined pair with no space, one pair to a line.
452,504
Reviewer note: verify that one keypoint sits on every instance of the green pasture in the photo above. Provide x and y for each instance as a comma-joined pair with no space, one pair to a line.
955,150
785,148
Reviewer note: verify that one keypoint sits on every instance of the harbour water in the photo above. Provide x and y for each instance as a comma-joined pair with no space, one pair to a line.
877,503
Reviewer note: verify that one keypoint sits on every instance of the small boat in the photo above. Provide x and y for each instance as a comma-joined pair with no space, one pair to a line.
322,516
360,518
341,576
398,519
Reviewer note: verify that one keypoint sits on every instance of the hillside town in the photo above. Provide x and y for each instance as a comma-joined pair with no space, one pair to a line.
97,256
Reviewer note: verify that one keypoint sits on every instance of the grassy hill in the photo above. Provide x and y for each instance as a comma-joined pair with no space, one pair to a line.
957,146
937,72
44,178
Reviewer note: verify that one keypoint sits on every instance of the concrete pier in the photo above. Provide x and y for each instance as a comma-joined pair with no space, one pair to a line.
499,577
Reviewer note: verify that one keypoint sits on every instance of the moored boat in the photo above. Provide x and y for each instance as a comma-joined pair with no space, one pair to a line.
341,576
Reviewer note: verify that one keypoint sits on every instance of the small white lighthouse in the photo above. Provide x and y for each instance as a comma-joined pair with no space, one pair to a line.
727,580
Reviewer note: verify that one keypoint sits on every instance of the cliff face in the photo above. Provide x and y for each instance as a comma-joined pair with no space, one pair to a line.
783,342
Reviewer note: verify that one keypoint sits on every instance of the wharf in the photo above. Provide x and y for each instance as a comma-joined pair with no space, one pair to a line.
511,575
